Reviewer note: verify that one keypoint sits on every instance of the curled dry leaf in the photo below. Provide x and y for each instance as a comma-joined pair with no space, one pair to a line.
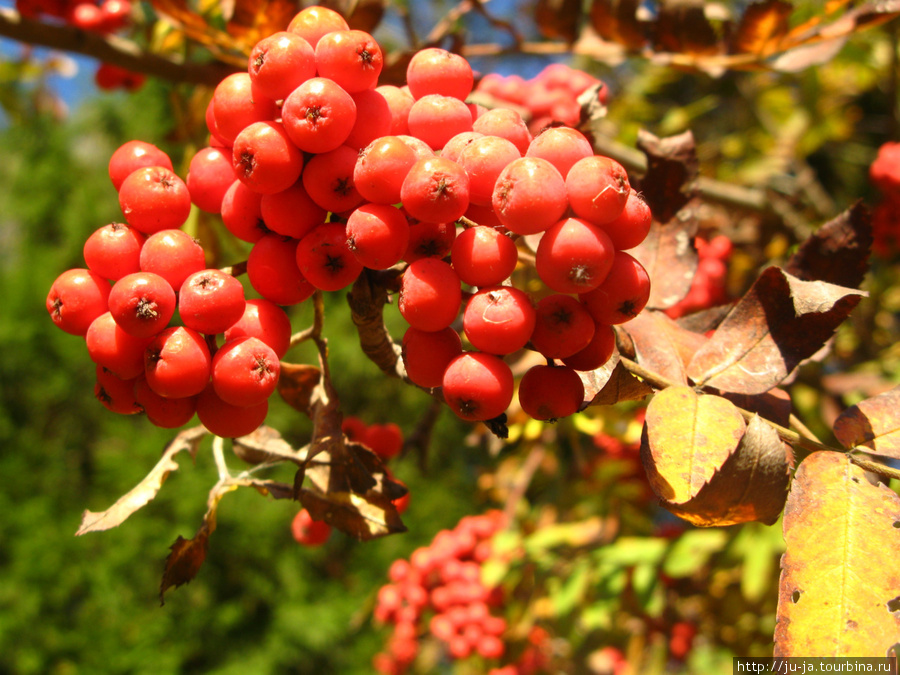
296,384
840,586
617,21
266,445
779,322
145,491
672,172
662,345
612,383
762,28
185,559
872,424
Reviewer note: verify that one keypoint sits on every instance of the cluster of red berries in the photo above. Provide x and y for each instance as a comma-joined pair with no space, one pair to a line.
884,173
551,96
138,276
709,285
106,16
442,582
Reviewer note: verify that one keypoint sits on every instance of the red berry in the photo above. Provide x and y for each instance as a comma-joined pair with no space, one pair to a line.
426,354
562,328
483,256
499,319
325,259
166,413
242,212
506,123
380,169
210,301
399,101
436,119
596,353
352,58
313,22
573,256
172,254
529,195
551,392
478,386
622,295
280,63
142,303
309,532
265,159
177,363
154,198
598,188
245,371
135,155
290,212
114,349
430,294
114,250
429,240
209,177
378,235
236,106
561,146
328,180
435,190
631,227
437,71
484,159
273,272
318,115
227,420
116,394
265,320
76,298
385,440
373,119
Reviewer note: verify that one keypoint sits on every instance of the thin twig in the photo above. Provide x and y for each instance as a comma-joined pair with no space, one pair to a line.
523,481
218,448
875,467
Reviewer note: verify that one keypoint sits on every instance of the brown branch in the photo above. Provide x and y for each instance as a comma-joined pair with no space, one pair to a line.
110,49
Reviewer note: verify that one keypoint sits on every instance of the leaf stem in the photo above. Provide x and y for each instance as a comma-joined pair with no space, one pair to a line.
875,467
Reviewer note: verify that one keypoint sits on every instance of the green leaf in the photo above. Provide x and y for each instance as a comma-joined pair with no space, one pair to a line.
692,550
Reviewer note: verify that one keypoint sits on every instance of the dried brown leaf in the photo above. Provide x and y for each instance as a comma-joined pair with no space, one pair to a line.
762,28
296,384
617,21
558,19
364,517
611,384
839,585
266,445
253,20
838,252
687,439
183,562
779,322
873,424
661,345
668,255
145,491
672,171
751,484
682,27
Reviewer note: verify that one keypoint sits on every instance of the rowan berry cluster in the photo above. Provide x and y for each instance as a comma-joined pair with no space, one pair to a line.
884,173
709,285
551,96
105,16
439,591
326,174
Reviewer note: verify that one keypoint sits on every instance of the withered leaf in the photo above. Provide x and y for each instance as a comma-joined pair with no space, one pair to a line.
558,19
873,424
838,252
296,384
611,384
365,517
145,491
617,21
751,484
779,322
839,587
266,445
669,256
762,27
774,405
184,561
252,20
687,439
672,171
682,26
661,345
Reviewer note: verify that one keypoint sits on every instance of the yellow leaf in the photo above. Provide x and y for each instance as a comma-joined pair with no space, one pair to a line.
840,583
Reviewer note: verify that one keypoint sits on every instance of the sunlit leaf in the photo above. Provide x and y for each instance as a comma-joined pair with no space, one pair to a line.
145,491
611,384
661,345
839,587
692,551
873,424
672,171
266,445
558,19
682,26
617,21
762,27
779,322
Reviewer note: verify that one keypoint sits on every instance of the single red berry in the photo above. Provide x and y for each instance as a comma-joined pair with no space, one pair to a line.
116,394
573,256
280,63
561,146
381,168
154,198
598,188
142,304
352,58
435,190
426,354
551,392
309,532
236,105
114,250
373,118
478,386
399,101
265,159
166,413
177,363
508,124
385,440
328,180
630,227
273,272
563,326
325,259
210,301
114,349
313,22
529,195
483,256
135,155
430,294
622,295
318,115
291,212
172,254
245,371
265,320
437,71
377,235
227,420
436,119
429,240
242,212
597,352
484,159
454,147
210,175
499,319
76,298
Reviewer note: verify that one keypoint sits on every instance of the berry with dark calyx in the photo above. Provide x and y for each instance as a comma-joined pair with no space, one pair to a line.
328,179
551,392
177,363
573,256
622,295
377,235
484,159
319,115
265,320
352,58
273,272
499,319
242,212
430,294
309,532
630,227
562,328
290,212
154,198
280,63
325,259
265,159
142,303
210,301
76,298
245,371
435,190
172,254
116,394
429,240
114,250
478,386
227,420
426,354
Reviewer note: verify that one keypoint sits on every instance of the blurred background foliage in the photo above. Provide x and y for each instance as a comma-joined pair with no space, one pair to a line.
261,604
